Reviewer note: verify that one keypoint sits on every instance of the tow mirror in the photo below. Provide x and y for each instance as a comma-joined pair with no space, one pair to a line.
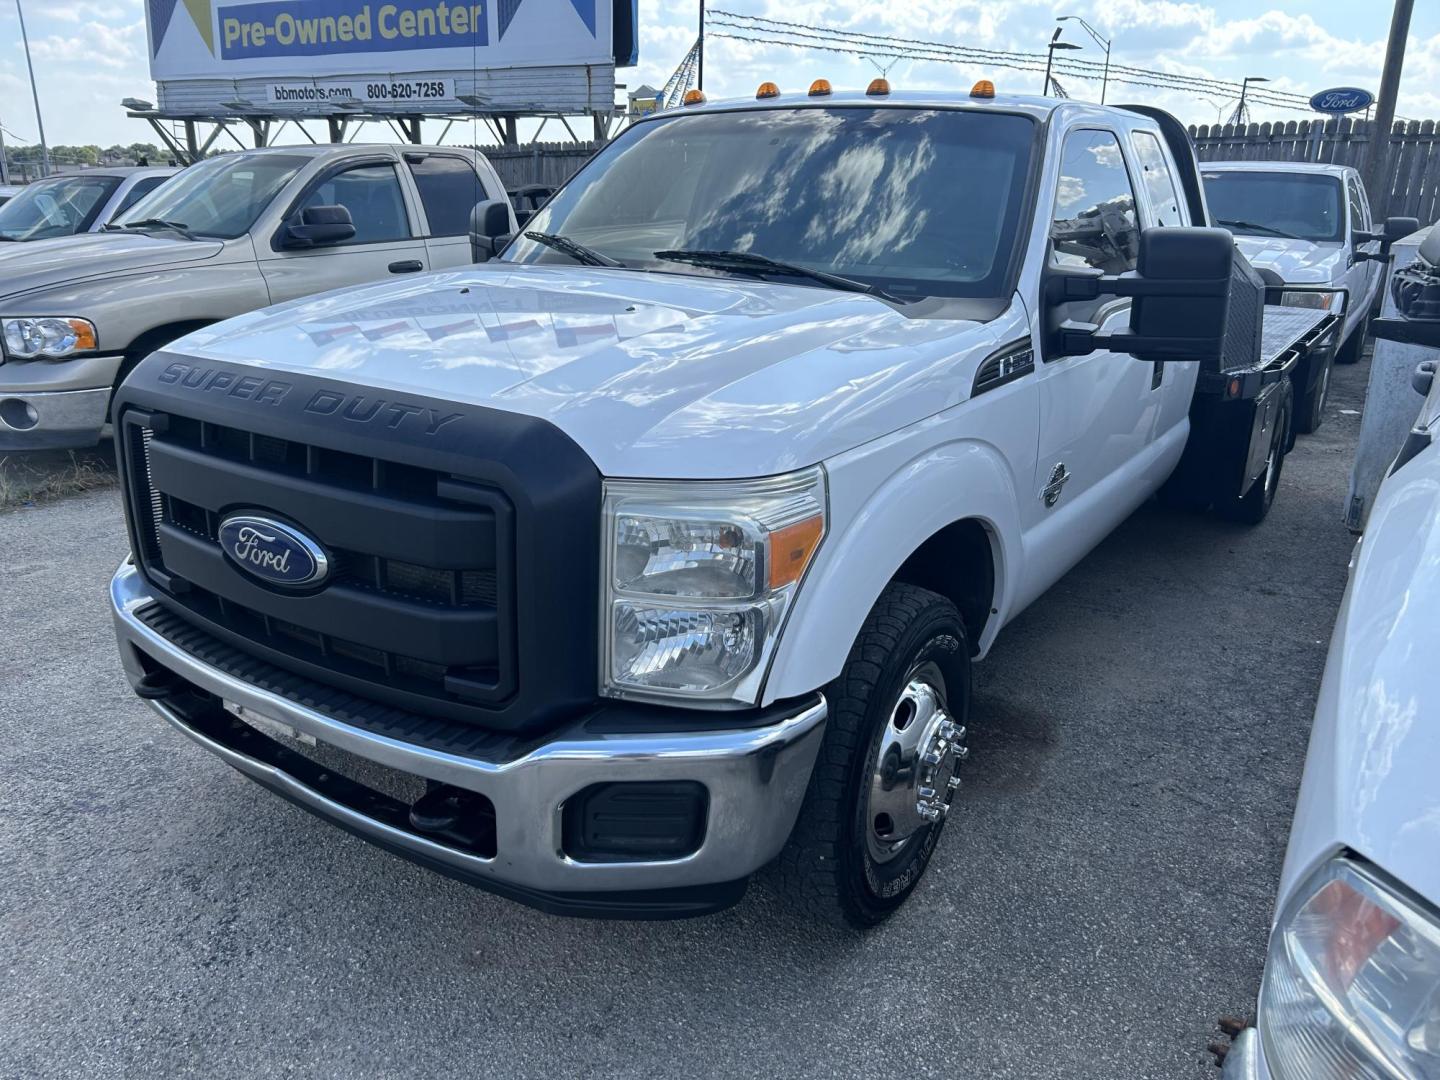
1395,228
319,226
1181,288
489,229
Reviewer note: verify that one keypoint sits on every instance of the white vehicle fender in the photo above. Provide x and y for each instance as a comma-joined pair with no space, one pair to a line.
870,540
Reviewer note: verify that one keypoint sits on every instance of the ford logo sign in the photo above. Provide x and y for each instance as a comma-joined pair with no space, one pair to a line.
275,553
1343,99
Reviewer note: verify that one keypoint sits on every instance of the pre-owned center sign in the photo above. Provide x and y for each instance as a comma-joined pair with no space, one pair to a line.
311,56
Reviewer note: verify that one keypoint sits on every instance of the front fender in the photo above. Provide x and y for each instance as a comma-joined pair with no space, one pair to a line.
883,507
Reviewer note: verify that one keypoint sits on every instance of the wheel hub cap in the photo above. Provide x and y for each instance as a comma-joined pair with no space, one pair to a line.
916,773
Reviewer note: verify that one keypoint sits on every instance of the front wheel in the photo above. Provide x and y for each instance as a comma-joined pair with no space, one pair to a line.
889,765
1354,347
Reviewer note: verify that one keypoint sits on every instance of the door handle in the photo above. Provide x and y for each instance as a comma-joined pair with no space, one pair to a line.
406,266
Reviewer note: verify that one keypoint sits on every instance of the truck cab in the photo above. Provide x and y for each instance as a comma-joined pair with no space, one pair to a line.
231,234
658,548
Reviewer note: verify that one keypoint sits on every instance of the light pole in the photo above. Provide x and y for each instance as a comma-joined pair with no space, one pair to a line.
44,150
1240,114
1218,106
1055,43
1103,42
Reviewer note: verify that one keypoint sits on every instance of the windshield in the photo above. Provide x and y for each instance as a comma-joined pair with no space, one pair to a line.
1294,205
920,202
56,207
220,197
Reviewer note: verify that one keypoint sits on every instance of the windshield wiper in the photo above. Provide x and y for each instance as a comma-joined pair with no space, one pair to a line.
161,223
576,250
752,263
1254,226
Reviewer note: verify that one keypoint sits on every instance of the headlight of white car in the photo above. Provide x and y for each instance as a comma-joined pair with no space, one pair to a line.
1326,301
47,338
699,576
1352,982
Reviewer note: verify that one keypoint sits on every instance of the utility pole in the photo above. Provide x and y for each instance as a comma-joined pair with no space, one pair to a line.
44,150
1378,159
4,165
699,56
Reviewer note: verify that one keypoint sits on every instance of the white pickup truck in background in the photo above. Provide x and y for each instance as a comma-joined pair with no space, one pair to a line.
1310,223
661,545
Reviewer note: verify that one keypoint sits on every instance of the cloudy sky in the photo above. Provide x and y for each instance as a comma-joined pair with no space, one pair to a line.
91,53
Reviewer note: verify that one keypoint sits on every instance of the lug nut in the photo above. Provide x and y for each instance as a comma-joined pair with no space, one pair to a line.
932,757
953,783
926,793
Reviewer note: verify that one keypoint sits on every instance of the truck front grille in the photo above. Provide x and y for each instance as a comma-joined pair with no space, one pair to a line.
438,570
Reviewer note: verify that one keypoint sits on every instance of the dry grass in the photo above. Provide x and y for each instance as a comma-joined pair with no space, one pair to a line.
30,478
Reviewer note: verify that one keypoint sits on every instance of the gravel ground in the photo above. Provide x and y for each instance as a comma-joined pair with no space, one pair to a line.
1101,896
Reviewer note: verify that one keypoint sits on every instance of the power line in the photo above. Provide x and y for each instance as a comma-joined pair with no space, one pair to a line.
761,30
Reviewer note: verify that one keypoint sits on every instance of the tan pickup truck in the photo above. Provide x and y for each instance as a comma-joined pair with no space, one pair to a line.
231,234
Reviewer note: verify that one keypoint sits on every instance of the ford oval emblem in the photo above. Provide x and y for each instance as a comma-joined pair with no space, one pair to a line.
1341,100
275,553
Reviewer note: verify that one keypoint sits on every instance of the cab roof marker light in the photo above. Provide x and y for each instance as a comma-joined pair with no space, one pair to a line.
693,97
983,89
820,88
767,90
878,88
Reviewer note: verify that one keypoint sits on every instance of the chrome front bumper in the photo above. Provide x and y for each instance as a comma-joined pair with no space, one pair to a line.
755,778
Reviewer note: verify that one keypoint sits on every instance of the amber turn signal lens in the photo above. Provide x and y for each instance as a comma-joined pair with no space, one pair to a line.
84,334
791,549
694,97
767,90
983,88
820,87
878,87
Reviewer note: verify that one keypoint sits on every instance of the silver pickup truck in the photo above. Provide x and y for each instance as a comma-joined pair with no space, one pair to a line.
229,235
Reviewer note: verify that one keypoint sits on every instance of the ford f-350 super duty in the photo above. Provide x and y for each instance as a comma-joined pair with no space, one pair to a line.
658,547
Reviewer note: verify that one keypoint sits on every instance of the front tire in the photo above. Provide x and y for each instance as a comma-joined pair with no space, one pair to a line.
887,770
1354,347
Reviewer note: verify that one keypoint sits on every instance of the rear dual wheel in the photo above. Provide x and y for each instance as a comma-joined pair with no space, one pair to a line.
888,767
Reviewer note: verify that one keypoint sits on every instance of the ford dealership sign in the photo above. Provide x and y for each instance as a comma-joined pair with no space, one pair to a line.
1343,99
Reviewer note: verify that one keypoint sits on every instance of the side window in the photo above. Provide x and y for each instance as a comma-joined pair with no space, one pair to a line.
138,192
1359,212
1156,176
372,195
1094,223
449,189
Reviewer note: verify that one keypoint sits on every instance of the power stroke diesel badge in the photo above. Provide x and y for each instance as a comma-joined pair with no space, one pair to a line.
275,553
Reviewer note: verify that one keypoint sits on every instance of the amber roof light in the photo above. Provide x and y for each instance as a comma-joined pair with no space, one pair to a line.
694,97
820,87
767,90
878,87
983,88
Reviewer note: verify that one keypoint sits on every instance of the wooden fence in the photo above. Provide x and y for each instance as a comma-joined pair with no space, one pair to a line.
1413,168
539,163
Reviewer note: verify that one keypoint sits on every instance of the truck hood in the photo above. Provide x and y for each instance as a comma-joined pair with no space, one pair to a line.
652,374
42,264
1298,262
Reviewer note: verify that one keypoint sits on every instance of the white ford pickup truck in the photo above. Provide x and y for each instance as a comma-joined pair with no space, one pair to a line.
660,545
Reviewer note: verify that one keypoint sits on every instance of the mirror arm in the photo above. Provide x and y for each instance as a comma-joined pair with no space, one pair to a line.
1070,285
1077,339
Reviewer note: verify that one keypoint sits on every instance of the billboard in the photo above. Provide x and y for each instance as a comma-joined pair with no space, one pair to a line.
318,57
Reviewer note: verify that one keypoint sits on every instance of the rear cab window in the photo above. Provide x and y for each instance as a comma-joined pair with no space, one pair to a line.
1158,179
449,189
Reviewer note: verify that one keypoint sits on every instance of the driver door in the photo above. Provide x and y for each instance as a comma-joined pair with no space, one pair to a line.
1098,411
385,241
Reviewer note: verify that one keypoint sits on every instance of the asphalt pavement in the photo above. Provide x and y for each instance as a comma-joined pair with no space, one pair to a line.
1101,894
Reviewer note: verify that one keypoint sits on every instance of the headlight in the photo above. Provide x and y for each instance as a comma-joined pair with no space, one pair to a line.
50,338
698,579
1352,982
1326,301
